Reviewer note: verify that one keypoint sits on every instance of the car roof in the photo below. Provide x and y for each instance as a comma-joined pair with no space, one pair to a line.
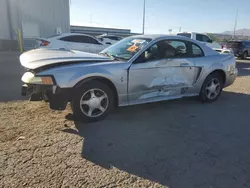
107,35
69,34
161,36
188,32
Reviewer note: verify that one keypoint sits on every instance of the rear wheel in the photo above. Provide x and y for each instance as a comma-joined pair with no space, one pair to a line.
211,88
92,102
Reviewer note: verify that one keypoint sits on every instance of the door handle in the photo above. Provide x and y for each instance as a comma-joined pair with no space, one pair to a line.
184,65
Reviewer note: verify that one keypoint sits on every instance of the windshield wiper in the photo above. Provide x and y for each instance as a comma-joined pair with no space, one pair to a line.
106,54
119,58
113,57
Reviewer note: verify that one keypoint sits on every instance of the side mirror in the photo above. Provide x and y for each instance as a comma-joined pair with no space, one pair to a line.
108,43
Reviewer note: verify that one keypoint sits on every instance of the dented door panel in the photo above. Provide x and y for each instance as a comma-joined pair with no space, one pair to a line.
160,79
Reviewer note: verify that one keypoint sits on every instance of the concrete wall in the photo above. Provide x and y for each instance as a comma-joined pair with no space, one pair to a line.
4,23
48,15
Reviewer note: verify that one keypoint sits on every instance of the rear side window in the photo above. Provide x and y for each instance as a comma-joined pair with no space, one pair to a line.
72,38
90,40
188,35
80,39
202,38
197,51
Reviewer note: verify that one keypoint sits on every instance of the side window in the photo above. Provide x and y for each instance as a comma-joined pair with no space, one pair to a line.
199,37
247,44
72,38
80,39
90,40
197,51
164,49
206,39
202,38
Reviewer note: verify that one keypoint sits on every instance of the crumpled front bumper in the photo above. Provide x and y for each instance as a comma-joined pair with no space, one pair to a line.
56,96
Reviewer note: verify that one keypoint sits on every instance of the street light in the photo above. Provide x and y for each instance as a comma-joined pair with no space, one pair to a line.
143,23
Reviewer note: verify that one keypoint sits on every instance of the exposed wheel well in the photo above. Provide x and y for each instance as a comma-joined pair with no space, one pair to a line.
103,80
222,73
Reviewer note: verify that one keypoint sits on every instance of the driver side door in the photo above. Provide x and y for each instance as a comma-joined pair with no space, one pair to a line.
164,71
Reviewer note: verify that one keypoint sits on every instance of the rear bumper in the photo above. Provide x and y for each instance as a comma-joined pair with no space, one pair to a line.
56,96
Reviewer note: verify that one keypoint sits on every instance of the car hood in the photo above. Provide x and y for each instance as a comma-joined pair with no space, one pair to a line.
42,57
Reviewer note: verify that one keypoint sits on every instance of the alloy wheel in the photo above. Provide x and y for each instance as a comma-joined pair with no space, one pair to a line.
94,102
213,88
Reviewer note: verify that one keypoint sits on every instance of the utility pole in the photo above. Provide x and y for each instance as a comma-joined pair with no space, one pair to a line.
143,23
179,29
235,24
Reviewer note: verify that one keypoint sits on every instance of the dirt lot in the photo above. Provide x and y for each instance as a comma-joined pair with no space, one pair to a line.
174,144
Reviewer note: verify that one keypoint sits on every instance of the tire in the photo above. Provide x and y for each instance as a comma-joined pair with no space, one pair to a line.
244,56
89,107
207,88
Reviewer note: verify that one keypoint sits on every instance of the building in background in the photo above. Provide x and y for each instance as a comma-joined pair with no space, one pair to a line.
34,18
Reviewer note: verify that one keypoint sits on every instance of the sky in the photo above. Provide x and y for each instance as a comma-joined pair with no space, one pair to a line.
213,16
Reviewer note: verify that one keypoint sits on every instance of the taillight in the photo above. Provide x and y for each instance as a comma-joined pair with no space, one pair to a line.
44,43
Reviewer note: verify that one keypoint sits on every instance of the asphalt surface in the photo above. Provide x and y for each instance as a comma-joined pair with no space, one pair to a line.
10,76
175,144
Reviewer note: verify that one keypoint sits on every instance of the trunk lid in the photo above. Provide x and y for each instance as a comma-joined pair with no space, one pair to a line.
41,57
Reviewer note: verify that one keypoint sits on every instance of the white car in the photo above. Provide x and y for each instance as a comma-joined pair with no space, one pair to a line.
223,50
202,38
72,41
109,39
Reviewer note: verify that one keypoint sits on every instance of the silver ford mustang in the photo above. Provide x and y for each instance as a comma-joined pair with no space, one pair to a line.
136,70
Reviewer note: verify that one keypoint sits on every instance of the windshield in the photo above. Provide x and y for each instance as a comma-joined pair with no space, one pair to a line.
126,48
185,35
233,44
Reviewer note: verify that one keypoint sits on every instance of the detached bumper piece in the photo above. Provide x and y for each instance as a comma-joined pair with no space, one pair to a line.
57,101
57,98
26,90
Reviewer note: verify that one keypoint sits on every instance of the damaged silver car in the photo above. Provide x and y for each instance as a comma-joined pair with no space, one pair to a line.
136,70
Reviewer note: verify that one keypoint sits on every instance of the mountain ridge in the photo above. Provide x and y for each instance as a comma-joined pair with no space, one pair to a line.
242,32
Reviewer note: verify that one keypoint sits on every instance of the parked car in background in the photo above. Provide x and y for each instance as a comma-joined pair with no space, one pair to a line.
109,39
72,41
202,38
240,48
138,69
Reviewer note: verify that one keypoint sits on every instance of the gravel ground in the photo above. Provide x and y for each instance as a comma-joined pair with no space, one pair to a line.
174,144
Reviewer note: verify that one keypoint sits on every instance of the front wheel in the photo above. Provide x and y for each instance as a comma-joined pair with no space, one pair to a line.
211,88
92,102
244,56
